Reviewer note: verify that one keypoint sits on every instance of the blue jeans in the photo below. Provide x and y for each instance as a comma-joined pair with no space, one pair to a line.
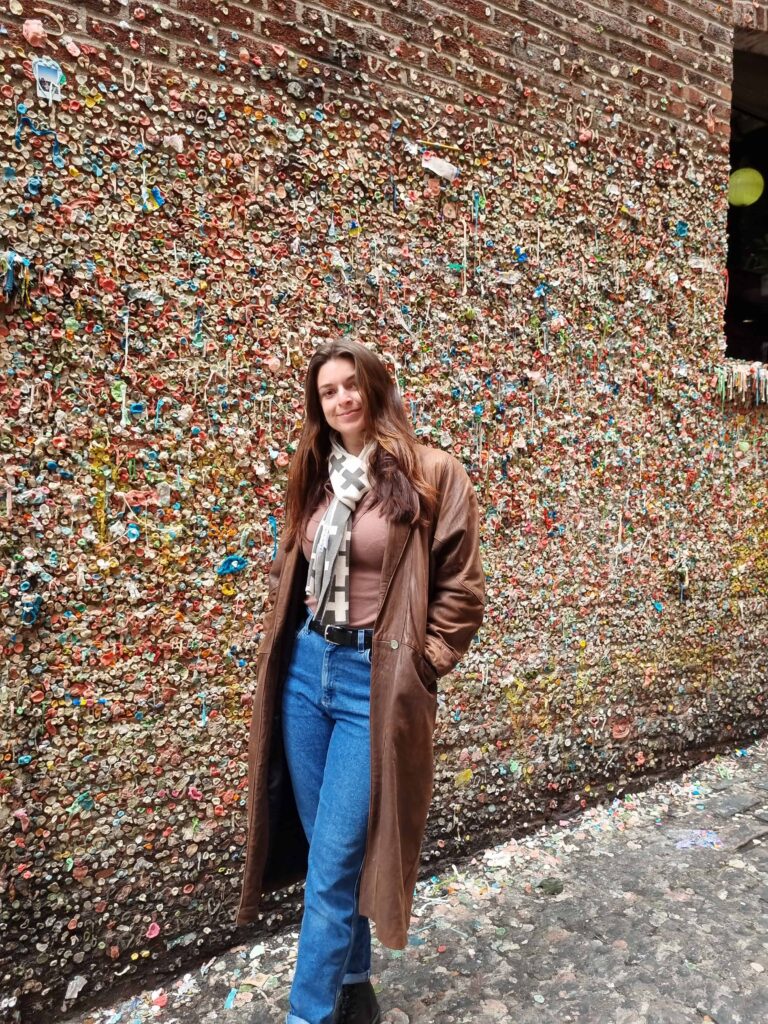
326,734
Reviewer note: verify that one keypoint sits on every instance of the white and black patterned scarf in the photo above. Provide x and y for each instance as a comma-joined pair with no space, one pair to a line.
328,577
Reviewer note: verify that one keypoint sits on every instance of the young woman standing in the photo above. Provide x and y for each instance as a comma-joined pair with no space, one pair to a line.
376,592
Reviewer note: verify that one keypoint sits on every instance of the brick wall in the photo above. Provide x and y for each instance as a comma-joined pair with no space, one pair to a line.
673,58
220,187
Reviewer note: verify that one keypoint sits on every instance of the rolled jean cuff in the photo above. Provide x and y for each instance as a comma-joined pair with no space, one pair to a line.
293,1019
352,979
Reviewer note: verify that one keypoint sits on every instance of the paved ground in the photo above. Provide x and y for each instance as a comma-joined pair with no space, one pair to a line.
653,910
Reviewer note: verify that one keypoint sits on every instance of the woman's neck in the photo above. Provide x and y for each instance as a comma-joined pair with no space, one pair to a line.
354,445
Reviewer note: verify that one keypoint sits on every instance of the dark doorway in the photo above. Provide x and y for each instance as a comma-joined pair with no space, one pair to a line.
746,313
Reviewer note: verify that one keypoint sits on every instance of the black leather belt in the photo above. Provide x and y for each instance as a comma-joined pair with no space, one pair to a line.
342,635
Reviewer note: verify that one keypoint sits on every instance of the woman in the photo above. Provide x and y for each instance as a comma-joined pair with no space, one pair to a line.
376,592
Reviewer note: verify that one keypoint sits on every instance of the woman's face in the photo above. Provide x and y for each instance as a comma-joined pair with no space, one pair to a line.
342,403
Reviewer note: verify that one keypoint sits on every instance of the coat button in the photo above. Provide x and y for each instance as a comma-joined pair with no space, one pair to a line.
394,644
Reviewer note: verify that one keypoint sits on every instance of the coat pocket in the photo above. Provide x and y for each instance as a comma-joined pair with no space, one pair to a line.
425,672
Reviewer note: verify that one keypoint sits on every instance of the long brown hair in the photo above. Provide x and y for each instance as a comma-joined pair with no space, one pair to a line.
399,486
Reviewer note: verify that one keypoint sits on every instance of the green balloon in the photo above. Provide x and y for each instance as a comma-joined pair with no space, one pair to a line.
745,187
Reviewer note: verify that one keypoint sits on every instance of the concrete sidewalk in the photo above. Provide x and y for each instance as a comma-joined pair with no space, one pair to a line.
653,910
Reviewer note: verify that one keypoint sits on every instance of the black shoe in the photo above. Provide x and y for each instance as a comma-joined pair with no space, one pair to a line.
357,1005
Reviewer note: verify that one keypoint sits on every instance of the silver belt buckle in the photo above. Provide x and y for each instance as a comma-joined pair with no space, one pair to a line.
325,633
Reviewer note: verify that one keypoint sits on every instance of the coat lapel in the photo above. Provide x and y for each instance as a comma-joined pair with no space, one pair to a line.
287,585
397,538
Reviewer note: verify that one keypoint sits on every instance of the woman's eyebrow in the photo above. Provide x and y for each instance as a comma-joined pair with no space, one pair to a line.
351,379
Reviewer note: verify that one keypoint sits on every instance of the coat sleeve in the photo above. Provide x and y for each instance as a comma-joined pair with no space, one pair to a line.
457,581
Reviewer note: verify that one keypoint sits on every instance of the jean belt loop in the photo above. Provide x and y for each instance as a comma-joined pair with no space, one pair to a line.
361,641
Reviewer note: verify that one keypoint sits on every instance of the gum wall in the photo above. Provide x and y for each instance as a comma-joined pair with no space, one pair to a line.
523,207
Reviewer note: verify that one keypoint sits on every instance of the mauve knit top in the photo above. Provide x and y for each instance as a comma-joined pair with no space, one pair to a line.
369,538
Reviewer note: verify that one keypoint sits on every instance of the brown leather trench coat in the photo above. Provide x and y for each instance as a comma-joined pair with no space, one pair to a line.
430,607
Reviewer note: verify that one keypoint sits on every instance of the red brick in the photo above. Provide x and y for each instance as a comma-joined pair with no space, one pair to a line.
450,24
105,9
661,35
158,48
423,11
490,37
659,29
691,57
721,34
259,50
441,64
186,29
447,91
704,83
69,14
110,34
235,19
508,24
473,9
338,79
197,59
415,55
351,9
300,39
412,31
683,15
381,68
349,32
154,18
315,17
